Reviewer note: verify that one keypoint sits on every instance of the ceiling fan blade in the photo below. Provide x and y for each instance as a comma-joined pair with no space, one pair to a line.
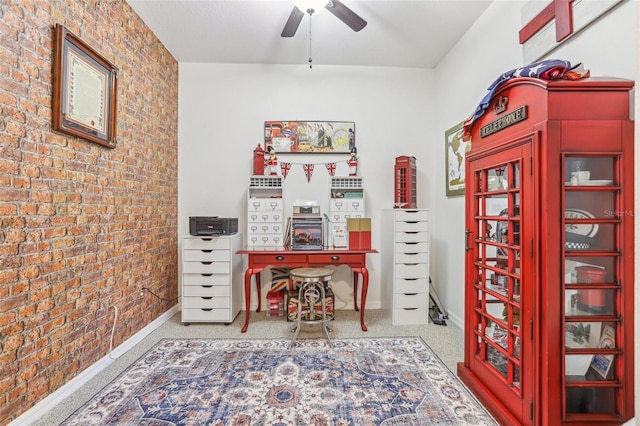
346,15
293,23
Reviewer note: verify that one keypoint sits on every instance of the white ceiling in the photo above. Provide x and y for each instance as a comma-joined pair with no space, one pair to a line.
400,33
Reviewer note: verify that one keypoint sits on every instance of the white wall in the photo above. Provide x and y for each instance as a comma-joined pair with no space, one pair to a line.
397,112
223,108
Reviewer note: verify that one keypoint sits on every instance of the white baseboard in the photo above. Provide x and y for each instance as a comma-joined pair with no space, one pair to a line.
456,320
57,397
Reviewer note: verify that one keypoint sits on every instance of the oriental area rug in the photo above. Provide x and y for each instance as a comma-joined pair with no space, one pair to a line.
366,381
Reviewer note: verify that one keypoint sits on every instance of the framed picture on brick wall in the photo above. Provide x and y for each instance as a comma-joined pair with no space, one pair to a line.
84,90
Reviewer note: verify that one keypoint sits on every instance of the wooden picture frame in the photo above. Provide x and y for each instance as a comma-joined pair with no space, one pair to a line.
455,154
84,91
310,137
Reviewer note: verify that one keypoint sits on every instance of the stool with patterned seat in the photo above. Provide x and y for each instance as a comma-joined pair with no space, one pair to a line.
313,286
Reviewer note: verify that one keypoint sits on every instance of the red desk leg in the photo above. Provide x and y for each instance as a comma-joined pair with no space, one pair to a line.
363,297
247,298
259,286
355,290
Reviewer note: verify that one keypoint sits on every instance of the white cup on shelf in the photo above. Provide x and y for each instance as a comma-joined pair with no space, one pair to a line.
580,177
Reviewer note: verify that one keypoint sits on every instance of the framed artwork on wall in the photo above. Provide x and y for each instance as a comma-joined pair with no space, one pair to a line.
455,152
84,91
308,137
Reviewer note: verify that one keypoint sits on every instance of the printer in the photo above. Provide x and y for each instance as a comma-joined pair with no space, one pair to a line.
212,225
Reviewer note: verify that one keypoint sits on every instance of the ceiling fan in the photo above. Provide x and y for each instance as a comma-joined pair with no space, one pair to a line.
342,12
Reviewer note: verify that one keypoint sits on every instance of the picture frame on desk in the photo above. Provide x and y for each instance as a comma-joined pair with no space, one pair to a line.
84,91
307,234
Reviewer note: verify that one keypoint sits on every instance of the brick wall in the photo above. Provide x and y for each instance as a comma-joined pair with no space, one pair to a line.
82,227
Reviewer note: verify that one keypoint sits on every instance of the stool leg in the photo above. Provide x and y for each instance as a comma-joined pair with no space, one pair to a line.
326,287
324,314
299,318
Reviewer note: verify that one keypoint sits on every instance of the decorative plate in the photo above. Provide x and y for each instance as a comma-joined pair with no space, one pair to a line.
583,229
576,246
602,182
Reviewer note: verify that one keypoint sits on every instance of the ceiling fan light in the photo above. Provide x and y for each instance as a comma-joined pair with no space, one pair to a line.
315,6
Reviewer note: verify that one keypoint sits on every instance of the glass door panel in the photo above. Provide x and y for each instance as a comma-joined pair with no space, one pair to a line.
590,171
592,264
497,260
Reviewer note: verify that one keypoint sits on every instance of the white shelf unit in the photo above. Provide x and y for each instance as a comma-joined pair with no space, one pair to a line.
405,264
212,278
265,211
346,201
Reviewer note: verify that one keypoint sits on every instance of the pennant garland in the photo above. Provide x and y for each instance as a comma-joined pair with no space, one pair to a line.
331,168
308,170
308,167
285,169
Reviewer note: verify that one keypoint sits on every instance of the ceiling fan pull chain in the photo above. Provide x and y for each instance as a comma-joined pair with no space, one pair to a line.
310,51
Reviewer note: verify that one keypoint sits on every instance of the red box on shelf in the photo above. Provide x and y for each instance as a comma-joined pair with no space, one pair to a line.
365,233
359,233
353,233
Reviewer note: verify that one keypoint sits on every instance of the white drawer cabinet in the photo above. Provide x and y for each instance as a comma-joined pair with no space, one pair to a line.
265,212
405,259
212,275
346,202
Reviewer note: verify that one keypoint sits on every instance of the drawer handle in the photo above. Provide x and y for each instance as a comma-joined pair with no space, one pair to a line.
279,257
206,263
410,294
207,309
206,286
206,298
206,251
410,309
207,239
335,257
206,275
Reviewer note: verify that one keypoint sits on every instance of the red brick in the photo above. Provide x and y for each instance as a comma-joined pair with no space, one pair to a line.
69,203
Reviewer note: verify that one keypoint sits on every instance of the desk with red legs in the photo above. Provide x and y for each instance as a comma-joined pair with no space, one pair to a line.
260,258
